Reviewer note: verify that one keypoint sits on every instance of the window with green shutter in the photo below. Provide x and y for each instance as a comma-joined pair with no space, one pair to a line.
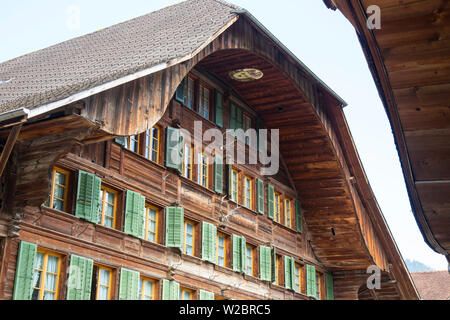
134,214
265,263
129,284
310,281
80,278
170,290
260,198
298,216
24,271
219,108
270,201
209,235
175,227
88,194
205,295
329,286
239,253
174,149
218,174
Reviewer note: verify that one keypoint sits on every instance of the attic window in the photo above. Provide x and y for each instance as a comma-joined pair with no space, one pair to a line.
246,75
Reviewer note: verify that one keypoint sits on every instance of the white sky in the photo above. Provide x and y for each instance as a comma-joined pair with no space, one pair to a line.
323,39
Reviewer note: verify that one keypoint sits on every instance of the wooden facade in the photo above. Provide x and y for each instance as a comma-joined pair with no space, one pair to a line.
342,229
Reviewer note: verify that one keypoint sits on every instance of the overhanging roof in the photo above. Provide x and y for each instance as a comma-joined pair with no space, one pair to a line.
410,61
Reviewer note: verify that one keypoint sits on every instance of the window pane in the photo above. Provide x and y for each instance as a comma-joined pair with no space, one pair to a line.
52,264
110,197
49,295
103,293
58,204
104,277
59,192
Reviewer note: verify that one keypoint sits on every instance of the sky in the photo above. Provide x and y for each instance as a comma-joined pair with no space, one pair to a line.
321,38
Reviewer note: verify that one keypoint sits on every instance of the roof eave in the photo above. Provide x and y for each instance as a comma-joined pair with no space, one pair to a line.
342,102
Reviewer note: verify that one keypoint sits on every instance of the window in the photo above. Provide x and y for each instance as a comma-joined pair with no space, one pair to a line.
186,294
101,283
60,186
277,270
189,235
203,170
318,285
46,272
297,278
234,185
277,207
249,260
221,250
108,206
151,223
203,101
248,192
146,289
247,125
190,93
152,138
288,213
187,162
132,143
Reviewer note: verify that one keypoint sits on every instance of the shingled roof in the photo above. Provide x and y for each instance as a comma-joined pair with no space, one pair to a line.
75,65
432,285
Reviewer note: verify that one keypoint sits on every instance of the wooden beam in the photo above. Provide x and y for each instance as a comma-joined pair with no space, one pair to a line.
12,138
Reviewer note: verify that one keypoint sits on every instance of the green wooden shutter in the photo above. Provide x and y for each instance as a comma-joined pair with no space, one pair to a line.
80,278
260,193
237,256
24,271
170,290
274,265
243,255
298,216
206,295
288,272
88,193
265,263
175,227
329,286
209,234
218,174
219,108
239,122
134,214
270,199
311,281
230,180
174,149
129,284
180,94
233,115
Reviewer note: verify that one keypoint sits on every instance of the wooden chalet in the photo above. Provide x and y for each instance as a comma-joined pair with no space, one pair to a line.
92,207
409,57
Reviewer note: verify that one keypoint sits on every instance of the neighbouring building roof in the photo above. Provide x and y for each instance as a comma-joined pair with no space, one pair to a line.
432,285
69,67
